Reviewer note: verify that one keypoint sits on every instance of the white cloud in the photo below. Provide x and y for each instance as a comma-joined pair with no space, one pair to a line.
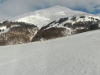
9,8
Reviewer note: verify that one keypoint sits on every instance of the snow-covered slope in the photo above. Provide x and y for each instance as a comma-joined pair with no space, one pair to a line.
45,16
75,55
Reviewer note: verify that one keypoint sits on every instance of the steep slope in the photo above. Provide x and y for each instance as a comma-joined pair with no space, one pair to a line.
45,16
75,55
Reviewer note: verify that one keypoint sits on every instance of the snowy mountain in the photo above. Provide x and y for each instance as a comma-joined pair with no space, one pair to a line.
68,26
46,24
72,55
44,16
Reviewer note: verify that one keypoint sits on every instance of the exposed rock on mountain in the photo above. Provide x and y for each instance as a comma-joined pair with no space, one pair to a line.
16,32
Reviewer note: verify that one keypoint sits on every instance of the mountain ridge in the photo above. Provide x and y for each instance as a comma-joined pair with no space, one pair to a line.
45,16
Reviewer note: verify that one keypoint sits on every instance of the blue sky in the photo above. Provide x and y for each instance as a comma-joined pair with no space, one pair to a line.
11,8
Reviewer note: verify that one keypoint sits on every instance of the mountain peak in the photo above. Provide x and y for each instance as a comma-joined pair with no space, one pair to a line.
45,16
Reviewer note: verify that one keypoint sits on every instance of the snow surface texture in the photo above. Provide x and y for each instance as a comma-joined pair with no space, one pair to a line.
45,16
74,55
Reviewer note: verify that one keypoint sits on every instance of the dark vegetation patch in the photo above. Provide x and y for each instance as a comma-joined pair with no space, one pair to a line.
18,33
49,33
